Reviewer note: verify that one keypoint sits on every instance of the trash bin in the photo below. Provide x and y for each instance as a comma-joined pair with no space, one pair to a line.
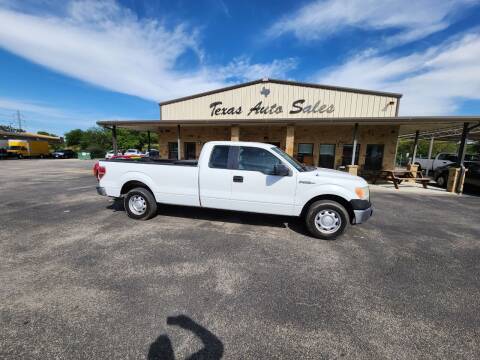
84,155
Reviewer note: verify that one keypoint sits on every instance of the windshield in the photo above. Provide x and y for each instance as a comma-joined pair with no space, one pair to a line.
294,162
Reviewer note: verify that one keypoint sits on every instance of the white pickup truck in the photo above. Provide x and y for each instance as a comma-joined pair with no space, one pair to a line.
240,176
441,159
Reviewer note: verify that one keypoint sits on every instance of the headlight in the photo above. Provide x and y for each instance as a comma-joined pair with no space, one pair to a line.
363,192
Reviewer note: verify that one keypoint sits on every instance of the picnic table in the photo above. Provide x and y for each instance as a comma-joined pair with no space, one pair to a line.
398,176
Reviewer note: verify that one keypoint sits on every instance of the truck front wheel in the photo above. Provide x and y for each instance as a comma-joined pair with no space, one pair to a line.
326,219
140,204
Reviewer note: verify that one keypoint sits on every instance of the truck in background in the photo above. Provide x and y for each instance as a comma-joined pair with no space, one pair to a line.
28,148
442,159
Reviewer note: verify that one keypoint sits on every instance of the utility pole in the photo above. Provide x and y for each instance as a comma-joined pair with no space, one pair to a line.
19,119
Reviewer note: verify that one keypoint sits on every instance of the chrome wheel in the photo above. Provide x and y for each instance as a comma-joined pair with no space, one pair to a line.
441,181
328,221
137,205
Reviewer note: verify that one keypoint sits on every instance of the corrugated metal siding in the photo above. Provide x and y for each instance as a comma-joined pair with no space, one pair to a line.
347,104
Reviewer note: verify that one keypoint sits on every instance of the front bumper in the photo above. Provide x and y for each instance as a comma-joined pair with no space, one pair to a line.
362,215
101,191
362,209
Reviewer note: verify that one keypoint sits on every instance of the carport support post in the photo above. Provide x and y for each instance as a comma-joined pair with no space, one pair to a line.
430,149
461,158
114,139
179,144
415,146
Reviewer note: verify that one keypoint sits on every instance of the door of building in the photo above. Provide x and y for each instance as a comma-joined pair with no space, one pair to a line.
189,153
374,157
326,158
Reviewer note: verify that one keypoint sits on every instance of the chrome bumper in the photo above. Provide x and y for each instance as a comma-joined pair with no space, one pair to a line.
101,191
362,215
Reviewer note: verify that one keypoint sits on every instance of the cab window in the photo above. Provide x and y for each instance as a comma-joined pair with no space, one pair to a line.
257,159
219,157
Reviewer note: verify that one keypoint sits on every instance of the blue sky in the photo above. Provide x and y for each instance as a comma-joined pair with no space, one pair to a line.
67,64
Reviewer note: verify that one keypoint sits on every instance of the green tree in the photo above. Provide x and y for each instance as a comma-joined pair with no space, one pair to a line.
73,137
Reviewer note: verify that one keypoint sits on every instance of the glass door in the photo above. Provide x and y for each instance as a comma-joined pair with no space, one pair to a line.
189,151
327,156
374,157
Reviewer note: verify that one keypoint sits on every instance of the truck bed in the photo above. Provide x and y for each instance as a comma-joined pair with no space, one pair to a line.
156,161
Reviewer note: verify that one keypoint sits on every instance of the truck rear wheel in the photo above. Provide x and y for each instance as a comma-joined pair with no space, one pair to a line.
326,219
140,204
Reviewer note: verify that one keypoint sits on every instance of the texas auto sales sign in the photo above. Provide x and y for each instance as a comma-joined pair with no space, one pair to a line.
300,106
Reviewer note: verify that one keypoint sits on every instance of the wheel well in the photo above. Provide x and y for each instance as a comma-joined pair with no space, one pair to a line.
346,204
129,185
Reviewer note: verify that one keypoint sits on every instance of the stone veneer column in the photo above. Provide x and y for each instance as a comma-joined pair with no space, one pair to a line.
290,140
235,133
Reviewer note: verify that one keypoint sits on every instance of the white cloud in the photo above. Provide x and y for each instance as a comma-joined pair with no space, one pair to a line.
406,21
241,69
434,81
105,44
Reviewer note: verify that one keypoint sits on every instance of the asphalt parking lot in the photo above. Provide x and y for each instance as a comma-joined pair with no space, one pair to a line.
80,280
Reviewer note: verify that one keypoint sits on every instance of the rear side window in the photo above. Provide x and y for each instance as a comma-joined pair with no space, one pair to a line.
219,157
256,159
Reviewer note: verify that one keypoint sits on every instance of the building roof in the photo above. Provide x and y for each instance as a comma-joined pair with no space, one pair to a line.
283,82
27,135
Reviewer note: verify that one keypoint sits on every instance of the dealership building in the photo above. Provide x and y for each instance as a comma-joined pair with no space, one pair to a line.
320,125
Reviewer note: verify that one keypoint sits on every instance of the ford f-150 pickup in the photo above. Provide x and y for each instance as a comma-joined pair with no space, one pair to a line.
240,176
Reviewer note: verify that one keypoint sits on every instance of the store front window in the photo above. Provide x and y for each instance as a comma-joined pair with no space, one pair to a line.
327,156
305,154
347,154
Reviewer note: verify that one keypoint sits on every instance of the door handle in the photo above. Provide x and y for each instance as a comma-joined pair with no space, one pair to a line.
238,179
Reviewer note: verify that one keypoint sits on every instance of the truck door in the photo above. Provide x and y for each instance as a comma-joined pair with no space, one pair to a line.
256,189
215,181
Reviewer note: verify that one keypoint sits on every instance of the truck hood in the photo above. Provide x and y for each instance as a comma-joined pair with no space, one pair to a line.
330,174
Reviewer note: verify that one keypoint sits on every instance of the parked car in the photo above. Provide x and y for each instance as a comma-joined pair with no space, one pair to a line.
5,154
441,159
241,176
132,152
153,153
110,153
472,177
64,154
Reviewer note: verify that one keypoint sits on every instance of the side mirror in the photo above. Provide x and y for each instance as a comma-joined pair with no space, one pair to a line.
281,170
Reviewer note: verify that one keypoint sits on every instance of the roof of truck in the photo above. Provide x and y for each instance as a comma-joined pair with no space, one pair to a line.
242,143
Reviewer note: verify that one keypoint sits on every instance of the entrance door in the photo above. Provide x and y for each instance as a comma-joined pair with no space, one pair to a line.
189,152
327,156
254,186
374,157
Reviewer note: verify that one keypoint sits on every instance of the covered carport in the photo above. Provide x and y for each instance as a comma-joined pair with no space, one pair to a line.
469,131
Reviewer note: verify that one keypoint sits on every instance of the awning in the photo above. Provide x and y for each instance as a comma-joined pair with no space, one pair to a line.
408,124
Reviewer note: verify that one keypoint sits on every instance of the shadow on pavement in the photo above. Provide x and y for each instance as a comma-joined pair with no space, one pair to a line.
235,217
162,348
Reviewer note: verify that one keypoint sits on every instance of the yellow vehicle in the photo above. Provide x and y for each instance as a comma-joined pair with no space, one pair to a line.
27,148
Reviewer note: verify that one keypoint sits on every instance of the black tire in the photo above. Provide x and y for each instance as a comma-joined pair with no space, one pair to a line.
441,181
140,195
335,216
